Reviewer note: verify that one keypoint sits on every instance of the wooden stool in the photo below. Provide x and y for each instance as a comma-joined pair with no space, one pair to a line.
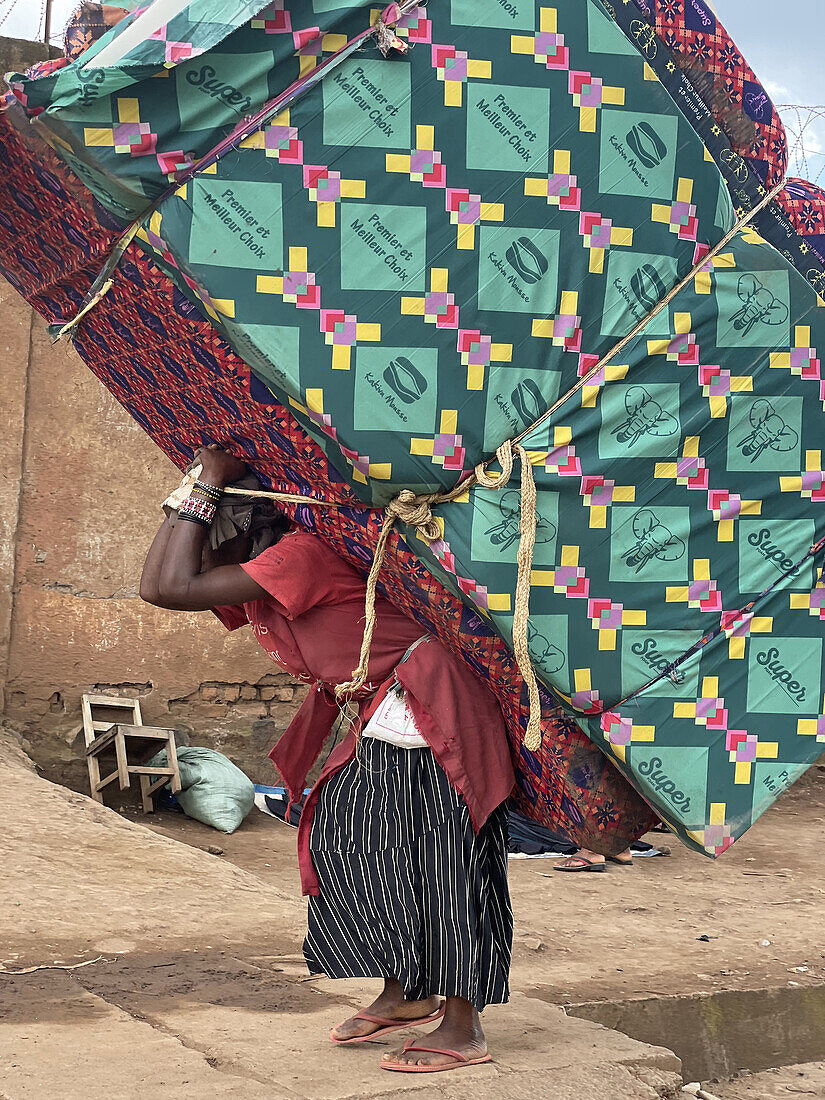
129,741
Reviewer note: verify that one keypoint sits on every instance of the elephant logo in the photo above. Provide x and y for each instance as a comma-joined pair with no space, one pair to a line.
644,417
505,531
543,652
769,431
759,306
653,540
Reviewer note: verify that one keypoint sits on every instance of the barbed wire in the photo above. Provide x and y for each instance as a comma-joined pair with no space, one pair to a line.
805,127
6,8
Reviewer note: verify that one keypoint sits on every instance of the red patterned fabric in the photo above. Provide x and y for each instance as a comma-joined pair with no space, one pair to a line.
804,203
712,61
170,370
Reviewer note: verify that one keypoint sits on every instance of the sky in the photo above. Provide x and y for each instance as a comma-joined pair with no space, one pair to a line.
786,54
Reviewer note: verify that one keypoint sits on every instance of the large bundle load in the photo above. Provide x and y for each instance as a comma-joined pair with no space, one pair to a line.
387,254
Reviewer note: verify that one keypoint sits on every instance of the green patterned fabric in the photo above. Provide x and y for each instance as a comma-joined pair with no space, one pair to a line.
426,251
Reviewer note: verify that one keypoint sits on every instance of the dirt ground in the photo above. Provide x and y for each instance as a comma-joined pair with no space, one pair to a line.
634,931
196,986
786,1083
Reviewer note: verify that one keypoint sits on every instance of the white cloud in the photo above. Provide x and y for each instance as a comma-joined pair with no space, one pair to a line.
777,92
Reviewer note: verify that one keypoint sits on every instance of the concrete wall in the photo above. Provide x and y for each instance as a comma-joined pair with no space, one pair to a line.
16,54
80,486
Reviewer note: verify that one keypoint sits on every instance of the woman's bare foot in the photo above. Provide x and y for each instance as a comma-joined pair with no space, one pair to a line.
459,1030
390,1004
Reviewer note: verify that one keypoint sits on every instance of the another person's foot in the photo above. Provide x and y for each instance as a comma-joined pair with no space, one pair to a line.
388,1006
624,859
463,1035
585,860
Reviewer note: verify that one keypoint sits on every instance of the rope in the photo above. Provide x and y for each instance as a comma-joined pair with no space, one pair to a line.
416,511
620,345
386,39
521,611
286,498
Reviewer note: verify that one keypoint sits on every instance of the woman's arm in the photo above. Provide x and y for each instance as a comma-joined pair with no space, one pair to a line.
183,587
172,573
150,577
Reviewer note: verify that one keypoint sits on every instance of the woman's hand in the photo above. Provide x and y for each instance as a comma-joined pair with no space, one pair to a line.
219,467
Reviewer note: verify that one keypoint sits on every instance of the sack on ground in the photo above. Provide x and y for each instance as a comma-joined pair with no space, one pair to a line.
213,790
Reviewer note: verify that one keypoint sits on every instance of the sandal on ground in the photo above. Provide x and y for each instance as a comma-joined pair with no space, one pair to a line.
386,1024
584,864
461,1060
621,862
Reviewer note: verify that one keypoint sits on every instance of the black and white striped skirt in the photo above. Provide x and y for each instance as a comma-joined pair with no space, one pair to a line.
409,890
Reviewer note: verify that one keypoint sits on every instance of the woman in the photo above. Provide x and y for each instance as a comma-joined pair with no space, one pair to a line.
402,841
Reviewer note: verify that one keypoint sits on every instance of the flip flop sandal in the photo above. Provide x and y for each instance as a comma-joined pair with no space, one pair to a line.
584,863
461,1060
386,1025
621,862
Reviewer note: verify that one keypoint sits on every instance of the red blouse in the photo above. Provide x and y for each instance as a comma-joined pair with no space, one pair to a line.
311,623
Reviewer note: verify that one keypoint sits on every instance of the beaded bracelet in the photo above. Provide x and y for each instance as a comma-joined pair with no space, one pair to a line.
194,519
198,509
207,492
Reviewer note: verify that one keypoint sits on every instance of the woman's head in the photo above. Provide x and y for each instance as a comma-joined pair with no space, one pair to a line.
266,527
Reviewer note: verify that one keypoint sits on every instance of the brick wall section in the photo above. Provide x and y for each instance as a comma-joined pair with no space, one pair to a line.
80,486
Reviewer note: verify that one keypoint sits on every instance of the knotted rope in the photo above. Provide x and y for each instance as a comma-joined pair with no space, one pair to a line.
415,510
521,607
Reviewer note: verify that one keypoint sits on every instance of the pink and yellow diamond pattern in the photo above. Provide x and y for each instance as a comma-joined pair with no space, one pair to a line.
739,625
565,328
701,593
608,618
599,493
813,727
127,135
811,485
679,216
744,749
717,836
803,360
620,731
560,189
424,165
454,67
447,448
567,579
